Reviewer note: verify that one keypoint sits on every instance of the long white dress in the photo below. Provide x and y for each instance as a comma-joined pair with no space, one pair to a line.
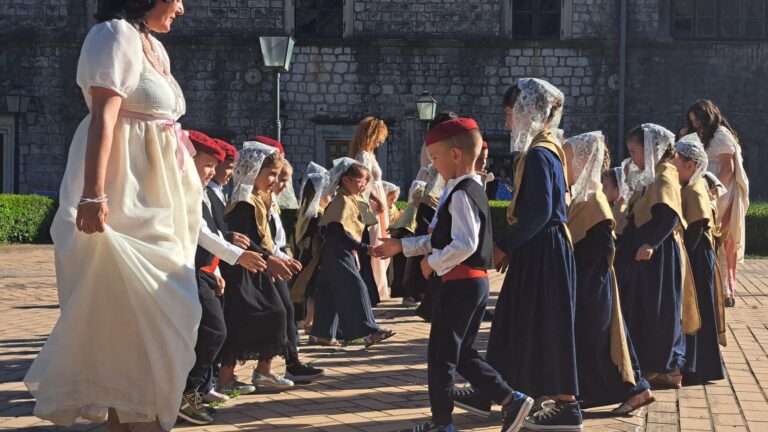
129,308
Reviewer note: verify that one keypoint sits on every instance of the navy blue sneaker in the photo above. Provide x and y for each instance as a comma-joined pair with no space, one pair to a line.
562,416
430,427
471,400
513,414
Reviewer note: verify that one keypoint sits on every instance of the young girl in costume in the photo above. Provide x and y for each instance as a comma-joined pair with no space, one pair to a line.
341,298
607,365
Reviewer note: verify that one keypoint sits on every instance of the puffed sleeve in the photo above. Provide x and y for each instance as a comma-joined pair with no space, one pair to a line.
111,58
722,143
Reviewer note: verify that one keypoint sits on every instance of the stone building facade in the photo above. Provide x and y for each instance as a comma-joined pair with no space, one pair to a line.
355,58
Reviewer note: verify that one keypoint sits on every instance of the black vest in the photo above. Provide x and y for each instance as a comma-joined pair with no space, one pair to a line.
441,235
203,258
217,208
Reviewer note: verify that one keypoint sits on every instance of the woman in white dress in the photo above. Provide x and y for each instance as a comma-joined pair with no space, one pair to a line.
125,339
371,133
725,162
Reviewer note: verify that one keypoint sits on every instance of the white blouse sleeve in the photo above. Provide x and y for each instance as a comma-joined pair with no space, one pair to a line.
111,58
722,143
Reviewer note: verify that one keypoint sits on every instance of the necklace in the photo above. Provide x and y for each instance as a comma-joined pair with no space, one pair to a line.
162,67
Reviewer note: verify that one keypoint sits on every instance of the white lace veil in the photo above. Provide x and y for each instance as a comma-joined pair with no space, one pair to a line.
247,168
318,176
657,141
694,151
287,198
390,187
588,157
416,192
531,110
631,178
434,181
340,166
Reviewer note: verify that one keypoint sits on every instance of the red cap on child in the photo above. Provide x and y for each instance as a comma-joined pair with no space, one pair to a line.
449,129
229,150
269,141
205,144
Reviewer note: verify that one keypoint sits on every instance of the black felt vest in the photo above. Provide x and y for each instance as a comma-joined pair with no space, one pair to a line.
203,258
217,208
441,235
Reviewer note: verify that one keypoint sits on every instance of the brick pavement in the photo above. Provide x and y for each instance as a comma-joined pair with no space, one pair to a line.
384,388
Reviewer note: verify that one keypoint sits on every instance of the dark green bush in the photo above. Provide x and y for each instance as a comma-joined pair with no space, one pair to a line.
25,218
756,229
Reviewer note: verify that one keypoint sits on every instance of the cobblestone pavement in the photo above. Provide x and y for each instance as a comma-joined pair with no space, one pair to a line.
384,388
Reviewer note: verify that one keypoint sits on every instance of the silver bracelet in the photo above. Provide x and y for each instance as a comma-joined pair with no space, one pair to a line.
99,199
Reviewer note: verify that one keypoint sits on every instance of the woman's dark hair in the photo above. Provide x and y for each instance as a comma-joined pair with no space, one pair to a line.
710,118
443,117
133,11
610,175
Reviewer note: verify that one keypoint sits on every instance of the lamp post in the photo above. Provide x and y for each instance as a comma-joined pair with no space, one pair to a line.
277,52
19,103
426,107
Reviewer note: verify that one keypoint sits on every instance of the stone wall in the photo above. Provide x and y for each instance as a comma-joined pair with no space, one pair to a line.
377,71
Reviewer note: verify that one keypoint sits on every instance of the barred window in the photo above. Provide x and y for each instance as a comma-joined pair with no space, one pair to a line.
334,149
536,19
720,19
319,18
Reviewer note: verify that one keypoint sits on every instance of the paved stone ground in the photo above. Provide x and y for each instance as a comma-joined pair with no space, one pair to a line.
384,388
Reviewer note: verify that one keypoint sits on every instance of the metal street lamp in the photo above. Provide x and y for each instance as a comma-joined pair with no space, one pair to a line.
19,103
426,106
277,52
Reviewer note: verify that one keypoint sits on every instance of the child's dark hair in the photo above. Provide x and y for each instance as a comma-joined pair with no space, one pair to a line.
610,175
273,160
442,117
357,170
638,134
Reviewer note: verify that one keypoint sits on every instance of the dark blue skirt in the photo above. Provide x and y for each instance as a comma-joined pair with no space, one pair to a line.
651,299
532,341
600,381
702,355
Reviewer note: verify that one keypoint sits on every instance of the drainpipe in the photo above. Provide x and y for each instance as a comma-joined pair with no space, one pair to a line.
622,76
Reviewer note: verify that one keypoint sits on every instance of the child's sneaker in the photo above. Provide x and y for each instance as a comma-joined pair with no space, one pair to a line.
192,409
235,388
561,416
214,396
430,427
514,412
469,399
270,382
302,373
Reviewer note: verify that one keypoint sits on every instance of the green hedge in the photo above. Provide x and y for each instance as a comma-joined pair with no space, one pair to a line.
25,218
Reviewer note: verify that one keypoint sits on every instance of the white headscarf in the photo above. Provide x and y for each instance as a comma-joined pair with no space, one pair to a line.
632,178
247,168
390,187
318,176
694,151
287,198
434,181
658,140
340,166
416,191
531,110
588,157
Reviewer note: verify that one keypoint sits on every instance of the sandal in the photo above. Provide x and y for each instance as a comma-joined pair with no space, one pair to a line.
626,407
378,336
324,341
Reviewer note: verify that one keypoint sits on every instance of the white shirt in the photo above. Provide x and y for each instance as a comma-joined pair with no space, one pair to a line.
280,238
215,242
218,190
465,231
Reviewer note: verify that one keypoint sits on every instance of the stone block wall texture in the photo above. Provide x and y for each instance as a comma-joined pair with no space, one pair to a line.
456,50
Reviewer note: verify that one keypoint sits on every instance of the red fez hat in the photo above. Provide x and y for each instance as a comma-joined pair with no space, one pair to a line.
205,144
449,129
229,150
485,144
270,142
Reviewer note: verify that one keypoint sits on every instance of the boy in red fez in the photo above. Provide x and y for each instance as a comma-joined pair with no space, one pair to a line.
212,247
460,250
215,188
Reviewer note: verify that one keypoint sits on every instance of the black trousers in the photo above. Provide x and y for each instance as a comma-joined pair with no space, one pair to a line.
211,333
458,310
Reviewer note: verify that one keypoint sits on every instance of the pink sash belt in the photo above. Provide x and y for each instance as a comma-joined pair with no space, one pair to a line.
182,137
